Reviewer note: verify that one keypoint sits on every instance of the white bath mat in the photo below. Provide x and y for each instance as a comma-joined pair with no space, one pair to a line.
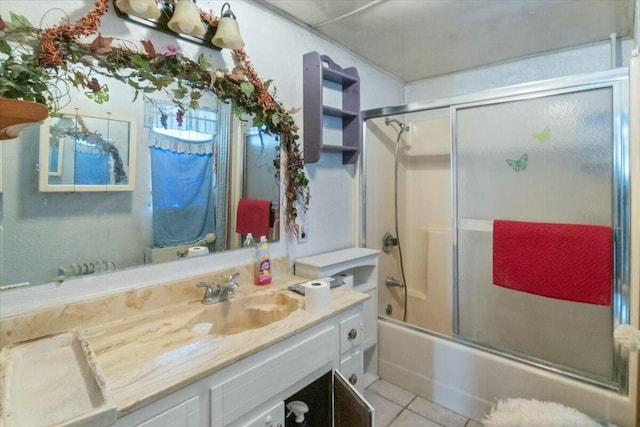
530,413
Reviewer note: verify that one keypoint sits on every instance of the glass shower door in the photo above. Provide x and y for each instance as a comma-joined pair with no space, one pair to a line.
534,176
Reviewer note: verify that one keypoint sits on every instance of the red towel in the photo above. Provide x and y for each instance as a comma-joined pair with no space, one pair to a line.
565,261
253,217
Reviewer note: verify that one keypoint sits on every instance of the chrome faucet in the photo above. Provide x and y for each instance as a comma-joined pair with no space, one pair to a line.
209,295
228,289
222,292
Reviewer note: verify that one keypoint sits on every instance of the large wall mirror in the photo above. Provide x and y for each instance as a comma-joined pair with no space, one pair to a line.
188,185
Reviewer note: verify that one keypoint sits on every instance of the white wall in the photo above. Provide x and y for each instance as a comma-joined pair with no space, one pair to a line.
275,46
585,59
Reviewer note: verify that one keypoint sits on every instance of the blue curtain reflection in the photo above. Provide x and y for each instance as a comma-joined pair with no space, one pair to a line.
92,168
182,196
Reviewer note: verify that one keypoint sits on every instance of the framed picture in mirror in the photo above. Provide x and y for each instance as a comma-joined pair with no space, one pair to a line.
87,152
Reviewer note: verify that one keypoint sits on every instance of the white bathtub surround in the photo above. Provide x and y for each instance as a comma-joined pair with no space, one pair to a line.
469,381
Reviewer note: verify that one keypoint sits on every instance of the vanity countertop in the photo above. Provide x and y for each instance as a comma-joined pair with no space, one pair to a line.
150,355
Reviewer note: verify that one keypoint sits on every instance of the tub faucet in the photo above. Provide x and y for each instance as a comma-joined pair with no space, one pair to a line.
392,282
228,289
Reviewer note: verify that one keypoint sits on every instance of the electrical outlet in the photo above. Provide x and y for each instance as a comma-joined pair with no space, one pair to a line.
303,234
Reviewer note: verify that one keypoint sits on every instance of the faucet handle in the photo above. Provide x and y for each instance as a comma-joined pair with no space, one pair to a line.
233,276
209,296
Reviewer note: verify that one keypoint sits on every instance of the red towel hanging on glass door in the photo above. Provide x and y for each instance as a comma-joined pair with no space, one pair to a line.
571,262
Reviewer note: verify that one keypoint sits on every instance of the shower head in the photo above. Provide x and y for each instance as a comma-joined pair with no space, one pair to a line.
403,127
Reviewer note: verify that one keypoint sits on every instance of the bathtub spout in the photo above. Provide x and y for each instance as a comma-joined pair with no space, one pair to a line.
392,282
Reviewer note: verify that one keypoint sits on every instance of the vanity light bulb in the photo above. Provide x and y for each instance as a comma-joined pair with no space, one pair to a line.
185,27
186,19
147,9
138,6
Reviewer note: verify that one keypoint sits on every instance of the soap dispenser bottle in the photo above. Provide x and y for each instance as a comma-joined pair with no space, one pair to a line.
263,263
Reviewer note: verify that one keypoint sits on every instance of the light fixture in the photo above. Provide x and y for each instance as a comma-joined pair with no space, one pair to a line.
179,18
140,8
186,19
228,32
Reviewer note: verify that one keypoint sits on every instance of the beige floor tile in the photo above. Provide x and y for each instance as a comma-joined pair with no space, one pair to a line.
385,410
442,416
393,393
473,423
411,419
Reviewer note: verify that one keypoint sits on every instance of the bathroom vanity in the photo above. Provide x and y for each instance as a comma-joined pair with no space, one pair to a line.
253,391
160,370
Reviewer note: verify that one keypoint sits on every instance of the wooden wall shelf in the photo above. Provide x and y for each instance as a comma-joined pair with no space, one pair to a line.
318,69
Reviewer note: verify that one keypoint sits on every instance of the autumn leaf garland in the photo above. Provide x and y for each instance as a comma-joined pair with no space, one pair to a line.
57,54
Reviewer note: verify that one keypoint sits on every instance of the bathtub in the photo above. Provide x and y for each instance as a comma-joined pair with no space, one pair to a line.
468,381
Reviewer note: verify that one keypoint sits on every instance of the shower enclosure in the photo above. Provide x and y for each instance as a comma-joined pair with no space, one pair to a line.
551,157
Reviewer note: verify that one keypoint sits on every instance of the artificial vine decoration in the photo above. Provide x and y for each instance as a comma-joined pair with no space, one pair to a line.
51,38
45,58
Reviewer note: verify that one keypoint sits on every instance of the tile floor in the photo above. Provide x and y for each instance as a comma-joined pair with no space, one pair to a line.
396,407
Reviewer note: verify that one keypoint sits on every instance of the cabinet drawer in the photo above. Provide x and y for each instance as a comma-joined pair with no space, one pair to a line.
352,368
351,333
248,390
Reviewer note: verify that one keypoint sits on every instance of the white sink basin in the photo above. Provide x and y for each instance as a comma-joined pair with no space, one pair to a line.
242,313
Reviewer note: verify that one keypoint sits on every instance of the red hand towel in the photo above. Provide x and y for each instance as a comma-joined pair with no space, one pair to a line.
565,261
253,217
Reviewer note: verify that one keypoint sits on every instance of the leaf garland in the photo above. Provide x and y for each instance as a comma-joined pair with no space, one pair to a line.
36,63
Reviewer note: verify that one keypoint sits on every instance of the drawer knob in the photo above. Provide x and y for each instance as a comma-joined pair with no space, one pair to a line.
353,379
353,334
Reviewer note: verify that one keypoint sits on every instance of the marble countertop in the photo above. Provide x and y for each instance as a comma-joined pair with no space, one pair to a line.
149,355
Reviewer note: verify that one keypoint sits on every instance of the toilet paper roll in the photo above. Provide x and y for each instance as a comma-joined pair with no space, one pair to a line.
317,297
198,251
347,279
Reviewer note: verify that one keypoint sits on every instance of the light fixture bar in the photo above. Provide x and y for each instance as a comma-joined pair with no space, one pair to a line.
161,24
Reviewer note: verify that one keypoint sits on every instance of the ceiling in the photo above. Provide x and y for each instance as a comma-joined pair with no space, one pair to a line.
417,39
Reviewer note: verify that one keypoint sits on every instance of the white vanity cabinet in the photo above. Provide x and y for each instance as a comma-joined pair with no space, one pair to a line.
252,391
362,263
185,414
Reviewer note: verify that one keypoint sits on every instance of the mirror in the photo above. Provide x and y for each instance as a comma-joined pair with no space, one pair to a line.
56,235
87,152
61,235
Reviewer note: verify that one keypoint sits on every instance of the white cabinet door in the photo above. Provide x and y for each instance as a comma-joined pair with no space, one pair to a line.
272,417
350,407
185,414
352,367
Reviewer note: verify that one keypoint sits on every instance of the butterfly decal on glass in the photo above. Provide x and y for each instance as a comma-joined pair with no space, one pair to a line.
543,135
520,164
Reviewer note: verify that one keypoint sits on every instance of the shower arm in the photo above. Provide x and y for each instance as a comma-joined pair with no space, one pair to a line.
403,127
